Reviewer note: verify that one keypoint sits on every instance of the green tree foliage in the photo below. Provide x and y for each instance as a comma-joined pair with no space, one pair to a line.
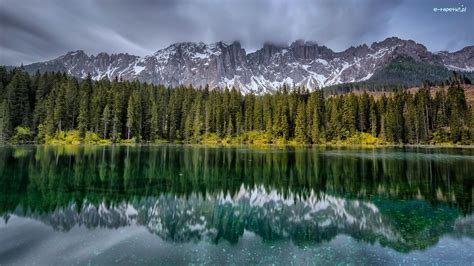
52,103
106,120
459,114
134,117
44,180
5,124
301,132
18,97
84,105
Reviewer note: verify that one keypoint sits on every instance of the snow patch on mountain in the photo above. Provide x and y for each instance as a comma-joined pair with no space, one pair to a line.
461,68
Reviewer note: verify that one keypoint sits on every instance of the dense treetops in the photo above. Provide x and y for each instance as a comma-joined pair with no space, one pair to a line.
55,107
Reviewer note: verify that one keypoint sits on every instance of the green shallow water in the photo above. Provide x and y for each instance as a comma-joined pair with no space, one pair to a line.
178,205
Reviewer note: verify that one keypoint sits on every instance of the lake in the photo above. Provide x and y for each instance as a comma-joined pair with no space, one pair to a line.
177,205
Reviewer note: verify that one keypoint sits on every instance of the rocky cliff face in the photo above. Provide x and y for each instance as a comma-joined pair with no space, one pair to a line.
227,64
462,60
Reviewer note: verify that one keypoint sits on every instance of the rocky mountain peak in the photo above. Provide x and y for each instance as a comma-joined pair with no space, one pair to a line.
265,54
75,53
74,56
358,51
390,41
301,42
309,50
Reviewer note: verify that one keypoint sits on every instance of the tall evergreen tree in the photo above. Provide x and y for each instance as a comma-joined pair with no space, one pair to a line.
130,116
374,118
19,99
59,114
349,114
458,112
5,122
84,105
197,119
105,121
301,134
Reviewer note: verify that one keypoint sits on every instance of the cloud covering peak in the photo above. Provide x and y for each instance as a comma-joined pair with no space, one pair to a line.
35,30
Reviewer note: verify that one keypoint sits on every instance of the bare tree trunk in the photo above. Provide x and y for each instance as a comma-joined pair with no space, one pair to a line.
73,120
426,122
105,130
114,130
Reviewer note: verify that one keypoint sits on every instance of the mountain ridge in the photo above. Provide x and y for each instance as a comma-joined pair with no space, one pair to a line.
264,212
221,64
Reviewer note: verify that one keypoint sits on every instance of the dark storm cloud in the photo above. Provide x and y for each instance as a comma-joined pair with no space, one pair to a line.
34,30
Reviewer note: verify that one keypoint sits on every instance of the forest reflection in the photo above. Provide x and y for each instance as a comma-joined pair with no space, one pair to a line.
404,198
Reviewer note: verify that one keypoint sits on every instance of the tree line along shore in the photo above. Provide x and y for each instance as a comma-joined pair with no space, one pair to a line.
55,108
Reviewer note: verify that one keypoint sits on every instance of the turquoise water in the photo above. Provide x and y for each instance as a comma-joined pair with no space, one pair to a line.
196,204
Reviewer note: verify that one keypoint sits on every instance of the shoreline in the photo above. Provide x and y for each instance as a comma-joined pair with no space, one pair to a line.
270,145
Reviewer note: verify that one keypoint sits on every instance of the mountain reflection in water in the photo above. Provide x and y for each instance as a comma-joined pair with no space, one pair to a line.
403,199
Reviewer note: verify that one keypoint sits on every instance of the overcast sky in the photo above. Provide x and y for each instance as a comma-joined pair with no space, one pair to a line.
34,30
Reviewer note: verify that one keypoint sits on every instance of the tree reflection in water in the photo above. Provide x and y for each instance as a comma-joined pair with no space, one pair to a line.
402,198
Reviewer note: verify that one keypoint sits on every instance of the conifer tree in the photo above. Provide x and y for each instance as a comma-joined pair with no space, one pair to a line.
155,120
239,124
105,120
457,112
220,117
174,109
71,103
364,112
258,114
130,116
117,110
197,119
267,114
59,106
5,124
18,99
230,127
316,116
334,118
208,115
301,122
249,112
373,118
84,105
284,122
348,114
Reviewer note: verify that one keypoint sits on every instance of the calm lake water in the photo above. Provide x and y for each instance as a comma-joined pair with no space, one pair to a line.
176,205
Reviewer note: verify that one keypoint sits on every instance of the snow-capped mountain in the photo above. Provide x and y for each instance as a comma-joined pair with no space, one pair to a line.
283,217
265,212
180,219
227,64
